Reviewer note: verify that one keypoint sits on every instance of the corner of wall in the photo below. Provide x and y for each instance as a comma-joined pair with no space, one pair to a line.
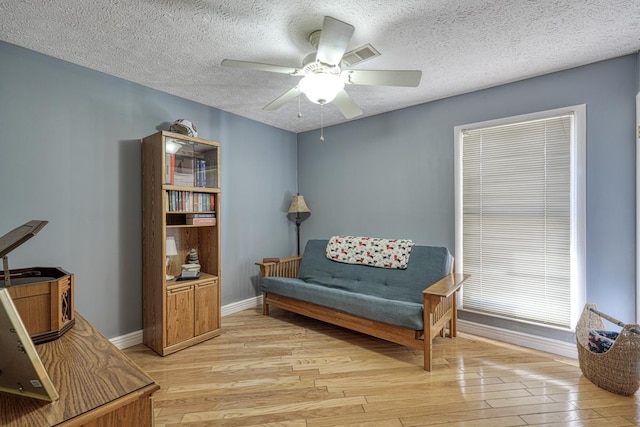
638,72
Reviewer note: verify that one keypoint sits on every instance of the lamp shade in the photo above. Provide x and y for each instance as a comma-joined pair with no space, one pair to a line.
171,247
321,88
298,205
298,212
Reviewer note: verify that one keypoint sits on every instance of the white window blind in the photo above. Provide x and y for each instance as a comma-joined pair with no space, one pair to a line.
516,220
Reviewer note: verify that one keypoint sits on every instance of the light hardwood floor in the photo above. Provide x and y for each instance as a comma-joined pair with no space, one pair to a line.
287,370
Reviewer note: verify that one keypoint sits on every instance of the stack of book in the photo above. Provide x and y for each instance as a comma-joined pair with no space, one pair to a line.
180,170
201,219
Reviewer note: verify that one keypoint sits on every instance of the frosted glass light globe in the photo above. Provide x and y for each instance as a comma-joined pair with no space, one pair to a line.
321,88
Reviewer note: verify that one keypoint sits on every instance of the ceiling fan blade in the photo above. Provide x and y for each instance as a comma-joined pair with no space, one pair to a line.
282,99
334,40
347,105
259,66
407,78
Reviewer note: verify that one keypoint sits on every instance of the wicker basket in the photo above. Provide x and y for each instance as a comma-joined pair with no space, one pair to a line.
618,369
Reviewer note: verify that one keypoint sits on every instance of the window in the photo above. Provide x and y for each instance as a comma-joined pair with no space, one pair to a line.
520,216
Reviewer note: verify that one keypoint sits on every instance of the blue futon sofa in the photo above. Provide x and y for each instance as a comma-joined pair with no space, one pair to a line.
392,304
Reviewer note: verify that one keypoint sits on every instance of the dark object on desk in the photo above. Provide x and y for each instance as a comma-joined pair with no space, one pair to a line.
43,296
276,260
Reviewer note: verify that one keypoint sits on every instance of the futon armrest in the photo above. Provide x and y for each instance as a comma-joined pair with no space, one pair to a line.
446,286
280,267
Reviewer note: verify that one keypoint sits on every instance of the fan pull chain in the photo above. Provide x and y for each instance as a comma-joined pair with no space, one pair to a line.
322,122
299,112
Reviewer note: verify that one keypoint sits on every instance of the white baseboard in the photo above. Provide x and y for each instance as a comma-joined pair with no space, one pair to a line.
235,307
128,340
135,338
547,345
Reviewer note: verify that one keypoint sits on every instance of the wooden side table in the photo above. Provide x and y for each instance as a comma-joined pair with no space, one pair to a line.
99,385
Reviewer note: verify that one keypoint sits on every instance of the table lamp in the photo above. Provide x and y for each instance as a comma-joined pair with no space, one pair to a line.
172,250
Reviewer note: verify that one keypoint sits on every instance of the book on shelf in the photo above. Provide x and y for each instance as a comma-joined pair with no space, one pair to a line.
208,218
168,168
179,201
183,179
186,171
180,170
203,202
187,201
202,215
201,173
201,221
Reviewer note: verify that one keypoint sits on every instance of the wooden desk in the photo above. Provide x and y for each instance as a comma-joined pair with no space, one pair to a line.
98,385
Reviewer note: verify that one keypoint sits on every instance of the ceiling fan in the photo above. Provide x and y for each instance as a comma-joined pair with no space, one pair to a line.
323,75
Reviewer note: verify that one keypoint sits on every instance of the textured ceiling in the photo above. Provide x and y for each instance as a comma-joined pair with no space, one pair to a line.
460,45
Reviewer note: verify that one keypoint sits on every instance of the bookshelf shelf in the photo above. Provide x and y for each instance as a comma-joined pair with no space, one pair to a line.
181,201
190,226
191,189
189,212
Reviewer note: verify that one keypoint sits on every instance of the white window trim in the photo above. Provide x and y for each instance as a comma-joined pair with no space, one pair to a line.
638,204
578,202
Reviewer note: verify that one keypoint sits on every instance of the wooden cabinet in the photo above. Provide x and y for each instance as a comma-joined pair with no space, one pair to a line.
191,309
180,318
204,316
181,206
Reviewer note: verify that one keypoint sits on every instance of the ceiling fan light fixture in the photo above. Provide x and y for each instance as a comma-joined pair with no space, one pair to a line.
321,88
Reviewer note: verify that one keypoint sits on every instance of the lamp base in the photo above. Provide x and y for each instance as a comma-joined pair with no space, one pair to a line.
167,275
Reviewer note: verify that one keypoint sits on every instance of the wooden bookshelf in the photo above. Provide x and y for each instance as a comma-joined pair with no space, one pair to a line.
178,314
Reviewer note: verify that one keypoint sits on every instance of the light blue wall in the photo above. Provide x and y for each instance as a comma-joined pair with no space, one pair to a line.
70,154
392,175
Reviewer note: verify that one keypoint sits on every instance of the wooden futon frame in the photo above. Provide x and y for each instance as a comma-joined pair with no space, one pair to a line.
440,310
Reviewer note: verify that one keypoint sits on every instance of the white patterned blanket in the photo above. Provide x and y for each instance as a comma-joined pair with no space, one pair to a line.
372,251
